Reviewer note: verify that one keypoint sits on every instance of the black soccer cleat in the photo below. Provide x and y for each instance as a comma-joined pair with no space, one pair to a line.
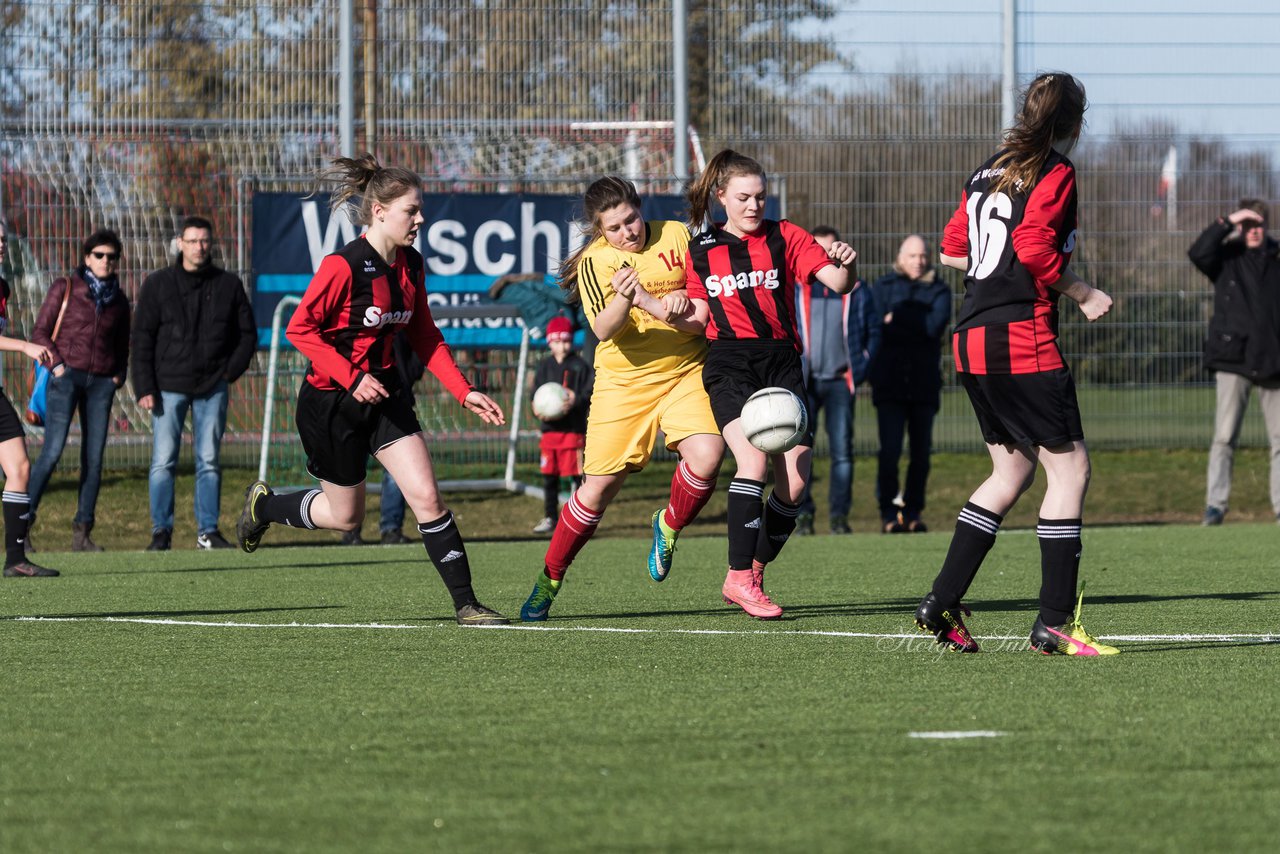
250,528
27,569
945,624
476,614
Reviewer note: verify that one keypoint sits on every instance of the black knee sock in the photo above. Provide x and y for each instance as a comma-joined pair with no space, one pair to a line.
1059,568
976,530
444,546
17,516
551,495
779,522
744,521
290,508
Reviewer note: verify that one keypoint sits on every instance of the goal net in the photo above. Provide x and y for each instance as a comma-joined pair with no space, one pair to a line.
468,454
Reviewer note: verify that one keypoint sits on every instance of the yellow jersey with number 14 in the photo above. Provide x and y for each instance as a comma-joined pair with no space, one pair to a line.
644,347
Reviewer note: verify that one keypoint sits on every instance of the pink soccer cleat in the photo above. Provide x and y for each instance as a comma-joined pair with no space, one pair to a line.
742,588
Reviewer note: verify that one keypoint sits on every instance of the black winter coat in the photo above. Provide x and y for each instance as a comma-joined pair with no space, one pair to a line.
191,330
908,366
1244,332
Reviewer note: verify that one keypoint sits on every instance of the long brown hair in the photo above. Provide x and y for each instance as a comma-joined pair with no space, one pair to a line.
604,194
715,177
1052,108
364,178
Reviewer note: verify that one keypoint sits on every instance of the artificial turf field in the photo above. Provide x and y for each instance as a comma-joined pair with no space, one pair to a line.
321,699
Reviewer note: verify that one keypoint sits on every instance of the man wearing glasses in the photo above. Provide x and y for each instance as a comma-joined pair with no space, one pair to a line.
84,321
194,334
1243,344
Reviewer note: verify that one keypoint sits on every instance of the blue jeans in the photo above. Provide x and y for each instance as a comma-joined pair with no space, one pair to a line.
834,397
392,504
208,422
92,394
917,420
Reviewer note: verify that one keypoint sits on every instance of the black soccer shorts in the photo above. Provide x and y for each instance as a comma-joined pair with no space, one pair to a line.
10,423
735,370
339,433
1036,410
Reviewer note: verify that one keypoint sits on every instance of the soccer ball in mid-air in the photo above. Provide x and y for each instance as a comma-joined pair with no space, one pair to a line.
551,402
774,420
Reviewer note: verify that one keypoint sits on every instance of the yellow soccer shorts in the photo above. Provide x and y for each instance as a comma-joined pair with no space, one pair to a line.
624,422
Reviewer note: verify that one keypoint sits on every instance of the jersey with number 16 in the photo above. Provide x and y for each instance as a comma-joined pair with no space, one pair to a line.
1017,244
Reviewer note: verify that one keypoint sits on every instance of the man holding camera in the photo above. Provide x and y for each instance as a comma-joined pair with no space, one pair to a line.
1243,344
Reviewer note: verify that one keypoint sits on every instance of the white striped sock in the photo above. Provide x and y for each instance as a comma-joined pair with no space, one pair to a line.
983,523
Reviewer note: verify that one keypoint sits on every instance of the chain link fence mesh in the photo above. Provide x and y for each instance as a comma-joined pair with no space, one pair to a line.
134,114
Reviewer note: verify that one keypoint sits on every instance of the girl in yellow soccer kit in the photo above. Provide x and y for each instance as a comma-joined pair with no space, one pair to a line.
630,278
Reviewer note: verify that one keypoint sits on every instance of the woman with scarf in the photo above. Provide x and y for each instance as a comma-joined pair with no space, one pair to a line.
84,322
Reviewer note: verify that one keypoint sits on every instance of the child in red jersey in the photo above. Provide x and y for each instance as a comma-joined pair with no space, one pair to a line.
564,438
349,405
1013,235
741,275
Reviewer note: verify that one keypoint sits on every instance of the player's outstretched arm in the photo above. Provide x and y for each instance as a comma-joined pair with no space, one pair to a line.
484,406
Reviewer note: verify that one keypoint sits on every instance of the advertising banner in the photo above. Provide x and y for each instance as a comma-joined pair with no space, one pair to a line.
468,241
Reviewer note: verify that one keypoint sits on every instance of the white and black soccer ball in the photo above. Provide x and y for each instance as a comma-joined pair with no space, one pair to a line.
551,402
774,420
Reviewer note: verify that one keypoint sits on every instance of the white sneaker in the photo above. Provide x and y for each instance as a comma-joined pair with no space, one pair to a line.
212,540
546,526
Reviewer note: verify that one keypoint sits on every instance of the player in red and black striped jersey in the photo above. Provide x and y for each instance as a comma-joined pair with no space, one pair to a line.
350,405
13,449
1013,234
1014,248
741,276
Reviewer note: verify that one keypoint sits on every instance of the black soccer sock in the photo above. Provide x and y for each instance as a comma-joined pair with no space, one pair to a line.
17,516
446,550
744,520
779,522
290,508
1060,548
976,530
551,495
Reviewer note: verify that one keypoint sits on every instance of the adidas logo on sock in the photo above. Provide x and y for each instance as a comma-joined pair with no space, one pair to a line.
754,523
452,555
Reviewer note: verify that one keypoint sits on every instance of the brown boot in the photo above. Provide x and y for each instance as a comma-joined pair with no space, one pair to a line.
80,541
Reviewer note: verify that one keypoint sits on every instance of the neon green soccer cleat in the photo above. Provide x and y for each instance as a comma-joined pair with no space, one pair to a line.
663,549
1068,639
538,605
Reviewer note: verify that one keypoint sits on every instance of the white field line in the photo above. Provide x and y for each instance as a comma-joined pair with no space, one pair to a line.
948,734
1268,637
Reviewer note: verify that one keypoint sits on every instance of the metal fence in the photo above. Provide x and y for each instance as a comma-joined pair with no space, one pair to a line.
134,114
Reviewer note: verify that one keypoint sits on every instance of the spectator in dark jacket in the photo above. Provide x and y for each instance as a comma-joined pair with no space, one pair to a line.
1243,344
90,352
193,335
840,334
906,379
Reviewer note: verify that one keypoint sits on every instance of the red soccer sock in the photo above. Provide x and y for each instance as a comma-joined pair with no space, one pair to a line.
689,494
577,523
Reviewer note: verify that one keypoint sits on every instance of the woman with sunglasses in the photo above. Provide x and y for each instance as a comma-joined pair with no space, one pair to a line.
84,323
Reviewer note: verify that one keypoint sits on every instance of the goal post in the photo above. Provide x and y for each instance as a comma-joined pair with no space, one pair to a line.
458,446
